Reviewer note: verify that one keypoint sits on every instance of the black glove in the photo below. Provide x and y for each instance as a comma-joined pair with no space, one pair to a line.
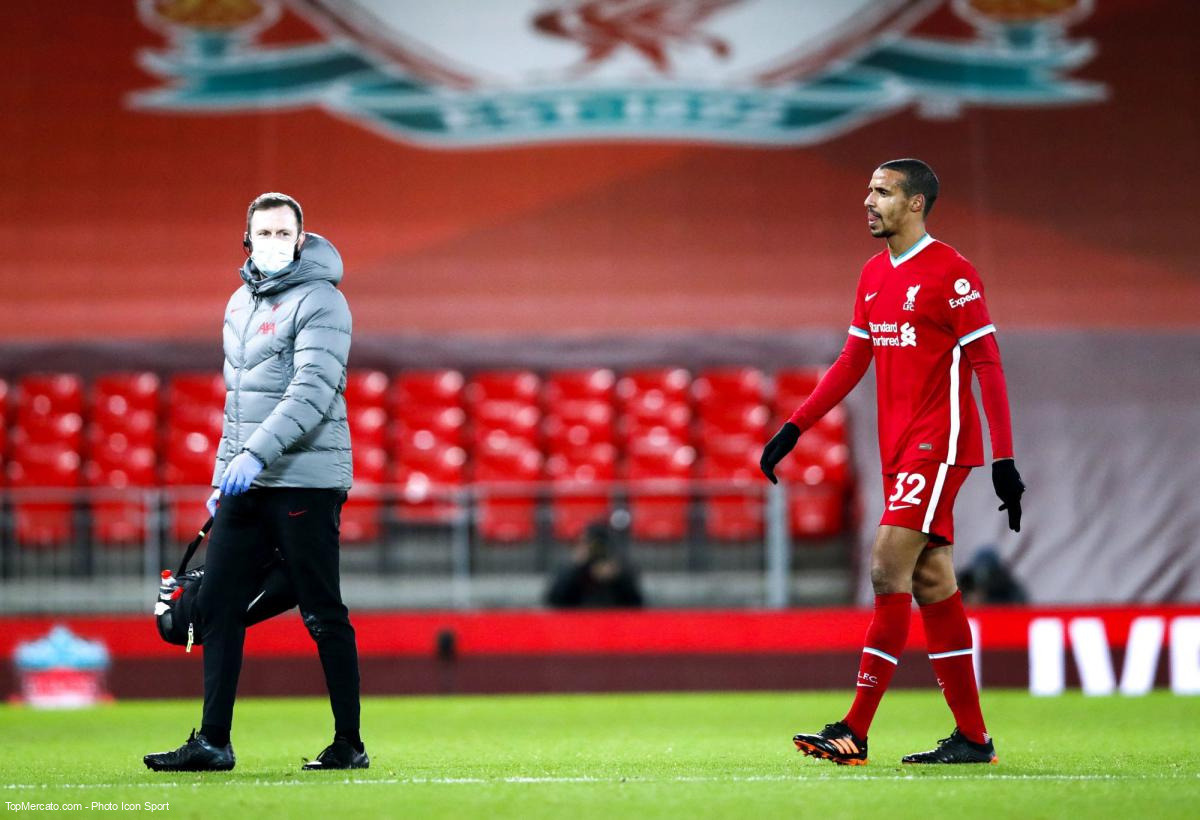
1009,488
779,446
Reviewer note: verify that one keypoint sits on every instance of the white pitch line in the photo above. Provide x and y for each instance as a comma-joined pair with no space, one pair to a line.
479,781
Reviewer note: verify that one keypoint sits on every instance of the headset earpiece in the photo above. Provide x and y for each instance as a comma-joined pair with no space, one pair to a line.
247,245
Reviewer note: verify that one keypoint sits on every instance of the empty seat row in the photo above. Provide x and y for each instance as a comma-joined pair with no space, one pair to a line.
431,432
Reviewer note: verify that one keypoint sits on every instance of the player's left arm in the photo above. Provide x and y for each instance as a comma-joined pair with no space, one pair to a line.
967,314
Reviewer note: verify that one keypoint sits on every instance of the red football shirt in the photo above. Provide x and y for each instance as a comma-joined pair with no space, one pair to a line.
918,310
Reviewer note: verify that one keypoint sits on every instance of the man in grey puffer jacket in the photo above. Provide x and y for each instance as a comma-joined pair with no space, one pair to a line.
282,472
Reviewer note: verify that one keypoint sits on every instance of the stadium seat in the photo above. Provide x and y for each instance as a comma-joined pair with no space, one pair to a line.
120,468
577,425
190,459
363,510
446,424
792,387
730,386
4,418
51,467
593,385
672,383
817,459
123,418
507,478
126,403
50,408
658,501
580,493
733,497
194,395
515,419
650,399
429,400
426,388
520,386
816,511
366,407
428,474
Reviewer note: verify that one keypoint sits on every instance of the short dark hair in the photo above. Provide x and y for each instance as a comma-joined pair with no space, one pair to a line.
274,199
919,178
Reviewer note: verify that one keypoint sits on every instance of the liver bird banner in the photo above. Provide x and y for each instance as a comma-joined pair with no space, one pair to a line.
597,166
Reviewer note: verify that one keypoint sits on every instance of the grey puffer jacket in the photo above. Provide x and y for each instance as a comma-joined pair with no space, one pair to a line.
287,340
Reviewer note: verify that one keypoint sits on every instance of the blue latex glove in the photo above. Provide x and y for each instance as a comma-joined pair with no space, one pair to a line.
211,504
240,474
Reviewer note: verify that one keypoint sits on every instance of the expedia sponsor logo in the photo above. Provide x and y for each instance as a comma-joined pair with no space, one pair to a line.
890,334
970,297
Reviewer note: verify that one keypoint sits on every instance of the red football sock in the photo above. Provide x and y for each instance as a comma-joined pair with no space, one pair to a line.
885,641
949,637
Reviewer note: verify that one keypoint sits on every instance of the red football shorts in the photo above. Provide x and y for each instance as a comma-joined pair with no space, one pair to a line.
921,497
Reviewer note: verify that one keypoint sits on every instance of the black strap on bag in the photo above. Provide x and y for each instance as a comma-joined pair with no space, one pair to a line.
190,552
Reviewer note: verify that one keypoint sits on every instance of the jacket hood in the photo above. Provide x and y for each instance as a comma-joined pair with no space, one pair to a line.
319,260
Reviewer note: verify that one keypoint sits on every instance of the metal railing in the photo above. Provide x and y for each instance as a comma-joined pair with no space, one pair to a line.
452,539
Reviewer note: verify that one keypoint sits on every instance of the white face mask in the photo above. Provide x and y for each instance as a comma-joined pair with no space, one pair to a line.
272,255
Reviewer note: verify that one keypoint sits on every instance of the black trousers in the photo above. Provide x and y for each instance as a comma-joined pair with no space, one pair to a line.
303,524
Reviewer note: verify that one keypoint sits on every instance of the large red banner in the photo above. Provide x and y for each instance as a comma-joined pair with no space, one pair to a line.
1103,650
131,145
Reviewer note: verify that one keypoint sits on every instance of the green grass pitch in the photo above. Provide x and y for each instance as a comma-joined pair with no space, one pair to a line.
659,755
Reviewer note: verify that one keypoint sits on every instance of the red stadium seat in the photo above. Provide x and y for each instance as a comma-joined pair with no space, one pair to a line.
515,419
427,474
817,511
658,500
507,477
190,460
426,388
368,426
363,510
46,441
578,424
817,459
730,386
122,437
594,385
52,467
733,514
655,398
366,407
672,383
50,408
446,424
792,387
116,464
521,386
3,421
367,387
580,494
192,395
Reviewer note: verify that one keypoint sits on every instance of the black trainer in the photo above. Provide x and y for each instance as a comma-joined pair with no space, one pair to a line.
835,742
956,749
197,755
339,755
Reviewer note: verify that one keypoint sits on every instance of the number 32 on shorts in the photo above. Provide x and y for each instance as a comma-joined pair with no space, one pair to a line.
909,487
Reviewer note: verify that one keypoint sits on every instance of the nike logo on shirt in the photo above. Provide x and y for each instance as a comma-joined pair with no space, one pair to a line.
871,296
895,507
294,514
